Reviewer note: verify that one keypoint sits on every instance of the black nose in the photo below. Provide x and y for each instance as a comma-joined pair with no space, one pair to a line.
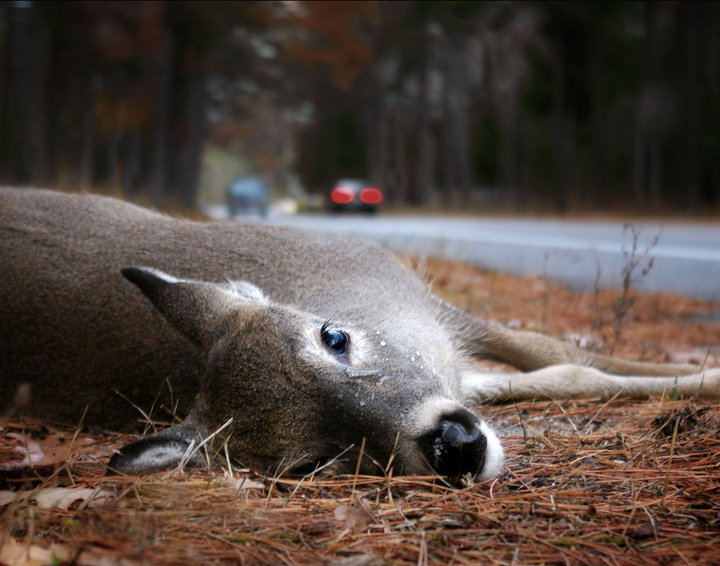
455,447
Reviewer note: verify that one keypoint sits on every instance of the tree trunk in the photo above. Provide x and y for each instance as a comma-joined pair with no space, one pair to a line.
372,138
645,143
190,155
426,146
28,52
132,166
87,143
598,184
113,162
400,161
692,43
383,149
161,129
456,132
560,133
507,118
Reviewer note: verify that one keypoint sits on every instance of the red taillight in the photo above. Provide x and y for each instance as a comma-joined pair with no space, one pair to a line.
371,195
342,195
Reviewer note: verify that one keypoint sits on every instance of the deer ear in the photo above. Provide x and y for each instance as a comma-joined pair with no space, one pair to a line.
195,308
162,451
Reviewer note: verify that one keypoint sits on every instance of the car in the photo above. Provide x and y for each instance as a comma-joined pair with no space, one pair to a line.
355,195
248,195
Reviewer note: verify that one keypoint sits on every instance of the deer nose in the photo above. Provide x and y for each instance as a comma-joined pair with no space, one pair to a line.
455,447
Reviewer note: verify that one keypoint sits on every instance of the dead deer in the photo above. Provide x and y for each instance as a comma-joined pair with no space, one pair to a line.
291,349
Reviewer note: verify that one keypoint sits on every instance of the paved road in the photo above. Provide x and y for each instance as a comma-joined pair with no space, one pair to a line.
686,258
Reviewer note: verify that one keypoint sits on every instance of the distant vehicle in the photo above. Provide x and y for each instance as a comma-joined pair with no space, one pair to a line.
355,195
248,195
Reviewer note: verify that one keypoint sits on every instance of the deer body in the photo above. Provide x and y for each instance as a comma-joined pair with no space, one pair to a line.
300,346
79,332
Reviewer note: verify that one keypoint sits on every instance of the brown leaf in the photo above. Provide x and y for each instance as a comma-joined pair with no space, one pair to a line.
357,515
21,554
59,497
242,484
645,530
362,560
50,451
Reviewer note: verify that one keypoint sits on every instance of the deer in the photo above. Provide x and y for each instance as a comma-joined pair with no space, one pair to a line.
287,350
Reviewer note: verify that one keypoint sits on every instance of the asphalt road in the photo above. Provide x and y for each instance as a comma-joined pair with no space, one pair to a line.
686,256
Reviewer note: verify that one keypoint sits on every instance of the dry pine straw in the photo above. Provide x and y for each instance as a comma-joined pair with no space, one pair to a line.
618,482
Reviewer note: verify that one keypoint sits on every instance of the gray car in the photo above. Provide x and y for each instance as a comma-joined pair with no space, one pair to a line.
248,195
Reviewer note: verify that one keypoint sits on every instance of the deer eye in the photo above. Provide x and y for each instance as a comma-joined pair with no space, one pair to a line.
336,340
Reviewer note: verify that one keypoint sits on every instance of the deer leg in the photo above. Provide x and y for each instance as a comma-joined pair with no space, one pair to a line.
570,381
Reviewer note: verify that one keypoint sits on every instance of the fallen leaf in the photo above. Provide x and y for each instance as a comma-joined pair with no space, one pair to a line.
357,516
645,530
59,497
22,554
32,452
242,484
362,560
50,451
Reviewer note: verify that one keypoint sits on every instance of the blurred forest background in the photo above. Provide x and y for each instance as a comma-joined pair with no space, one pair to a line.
558,106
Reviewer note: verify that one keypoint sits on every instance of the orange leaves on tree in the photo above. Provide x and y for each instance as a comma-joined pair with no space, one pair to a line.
333,37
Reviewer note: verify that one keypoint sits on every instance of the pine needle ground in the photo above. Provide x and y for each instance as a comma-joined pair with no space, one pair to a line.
586,482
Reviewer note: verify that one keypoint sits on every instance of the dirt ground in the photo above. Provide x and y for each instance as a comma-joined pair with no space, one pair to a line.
586,482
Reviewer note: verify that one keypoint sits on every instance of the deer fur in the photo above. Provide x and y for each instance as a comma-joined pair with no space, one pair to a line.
291,348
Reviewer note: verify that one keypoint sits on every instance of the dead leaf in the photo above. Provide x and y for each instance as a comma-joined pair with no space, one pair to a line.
20,553
679,422
7,497
242,484
357,515
59,497
50,451
645,530
362,560
32,452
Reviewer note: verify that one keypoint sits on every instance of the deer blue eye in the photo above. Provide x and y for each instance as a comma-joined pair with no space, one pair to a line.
336,340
